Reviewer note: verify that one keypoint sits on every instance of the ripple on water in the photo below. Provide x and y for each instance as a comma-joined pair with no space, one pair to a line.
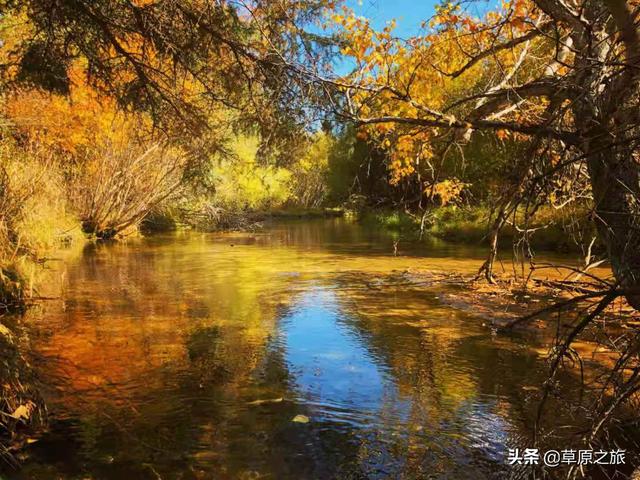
187,354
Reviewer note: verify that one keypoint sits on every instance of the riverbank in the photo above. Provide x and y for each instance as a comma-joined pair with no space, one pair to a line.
23,414
212,219
470,225
457,225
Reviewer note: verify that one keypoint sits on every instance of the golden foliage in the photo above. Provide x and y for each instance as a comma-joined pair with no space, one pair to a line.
447,191
71,125
421,77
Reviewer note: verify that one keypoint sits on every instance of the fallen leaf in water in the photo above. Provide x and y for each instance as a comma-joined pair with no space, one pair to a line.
300,419
266,400
529,388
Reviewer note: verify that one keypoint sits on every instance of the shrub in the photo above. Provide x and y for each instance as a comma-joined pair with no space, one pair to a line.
242,183
121,183
34,218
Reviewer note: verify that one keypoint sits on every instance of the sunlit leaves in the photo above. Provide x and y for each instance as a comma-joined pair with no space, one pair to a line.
426,76
447,191
70,124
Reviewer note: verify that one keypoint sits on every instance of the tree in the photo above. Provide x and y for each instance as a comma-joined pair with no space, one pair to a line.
170,58
562,76
105,82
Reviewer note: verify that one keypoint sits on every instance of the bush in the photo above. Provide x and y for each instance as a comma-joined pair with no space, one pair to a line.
34,218
242,183
121,183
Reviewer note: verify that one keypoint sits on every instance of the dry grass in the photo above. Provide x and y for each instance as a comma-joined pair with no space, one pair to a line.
34,218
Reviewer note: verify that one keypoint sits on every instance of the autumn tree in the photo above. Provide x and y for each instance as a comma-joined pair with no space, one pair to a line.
558,79
172,59
560,76
88,78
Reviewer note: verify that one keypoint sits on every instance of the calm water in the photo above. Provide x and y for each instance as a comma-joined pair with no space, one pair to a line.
189,357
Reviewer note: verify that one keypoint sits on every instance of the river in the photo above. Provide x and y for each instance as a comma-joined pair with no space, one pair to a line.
300,351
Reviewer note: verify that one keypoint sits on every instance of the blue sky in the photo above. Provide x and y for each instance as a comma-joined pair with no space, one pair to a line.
409,13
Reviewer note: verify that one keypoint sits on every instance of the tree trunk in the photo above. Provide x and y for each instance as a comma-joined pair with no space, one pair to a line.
607,121
494,234
615,175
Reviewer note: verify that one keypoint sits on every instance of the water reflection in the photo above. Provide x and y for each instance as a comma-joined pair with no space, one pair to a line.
396,432
188,357
331,365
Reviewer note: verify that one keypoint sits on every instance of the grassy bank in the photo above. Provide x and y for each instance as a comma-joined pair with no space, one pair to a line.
469,225
22,410
34,219
219,219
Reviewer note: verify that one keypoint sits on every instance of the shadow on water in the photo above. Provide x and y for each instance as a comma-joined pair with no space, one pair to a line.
274,355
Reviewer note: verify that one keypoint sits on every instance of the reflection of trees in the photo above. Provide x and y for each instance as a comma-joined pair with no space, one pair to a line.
464,389
338,236
155,348
160,349
163,347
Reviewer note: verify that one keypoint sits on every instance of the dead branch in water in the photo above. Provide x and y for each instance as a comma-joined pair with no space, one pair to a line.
618,385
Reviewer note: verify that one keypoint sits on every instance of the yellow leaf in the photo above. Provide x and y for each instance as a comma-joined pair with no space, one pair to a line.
300,419
23,412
